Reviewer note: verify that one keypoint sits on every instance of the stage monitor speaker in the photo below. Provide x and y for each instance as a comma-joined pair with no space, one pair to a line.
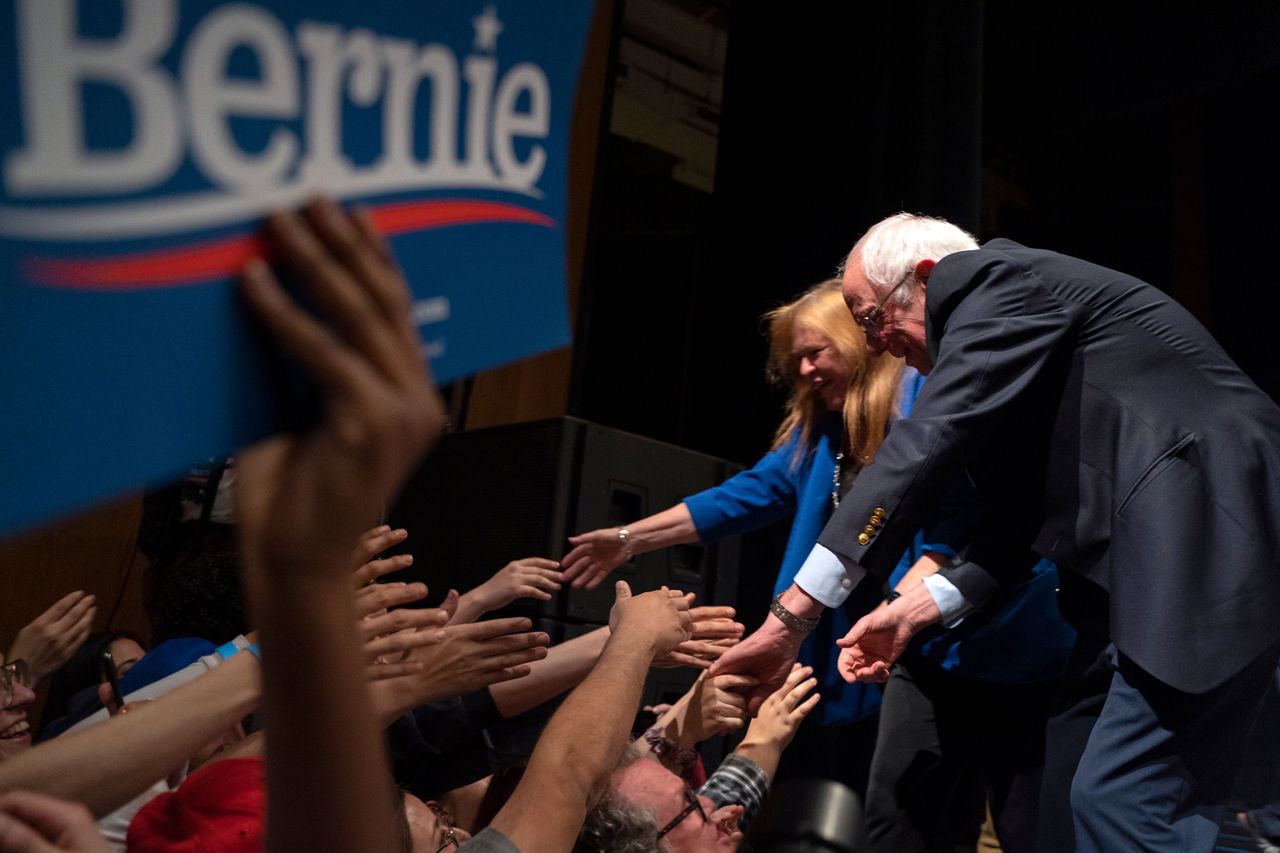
486,497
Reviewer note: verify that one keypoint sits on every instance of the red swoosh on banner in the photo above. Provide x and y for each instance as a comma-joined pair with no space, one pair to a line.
200,262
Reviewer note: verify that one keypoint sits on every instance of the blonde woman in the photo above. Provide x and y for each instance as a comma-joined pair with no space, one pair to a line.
841,402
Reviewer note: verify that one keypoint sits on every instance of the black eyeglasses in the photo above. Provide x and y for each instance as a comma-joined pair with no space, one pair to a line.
693,805
14,672
448,837
870,320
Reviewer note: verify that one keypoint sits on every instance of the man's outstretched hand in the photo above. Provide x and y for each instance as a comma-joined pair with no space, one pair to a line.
879,638
769,653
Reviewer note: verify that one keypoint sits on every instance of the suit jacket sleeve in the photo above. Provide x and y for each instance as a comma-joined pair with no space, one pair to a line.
991,329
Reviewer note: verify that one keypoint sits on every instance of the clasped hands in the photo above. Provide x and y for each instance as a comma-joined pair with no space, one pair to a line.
866,653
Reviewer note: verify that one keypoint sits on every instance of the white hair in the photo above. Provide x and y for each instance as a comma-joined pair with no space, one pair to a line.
893,246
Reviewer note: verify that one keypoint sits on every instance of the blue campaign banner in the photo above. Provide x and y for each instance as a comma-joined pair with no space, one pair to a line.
144,140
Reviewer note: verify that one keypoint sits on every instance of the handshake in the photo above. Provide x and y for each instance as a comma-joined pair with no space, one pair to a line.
660,619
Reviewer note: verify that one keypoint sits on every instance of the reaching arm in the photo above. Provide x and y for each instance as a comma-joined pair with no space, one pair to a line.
767,655
1000,332
780,716
304,500
746,501
530,577
878,639
580,746
712,706
107,765
565,666
599,552
50,639
460,659
713,632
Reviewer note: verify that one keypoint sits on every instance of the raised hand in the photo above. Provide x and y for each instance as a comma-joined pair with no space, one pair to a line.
34,823
660,617
303,501
718,705
388,635
594,555
374,600
372,543
781,714
715,622
50,639
769,653
463,658
714,632
306,494
530,577
765,656
693,654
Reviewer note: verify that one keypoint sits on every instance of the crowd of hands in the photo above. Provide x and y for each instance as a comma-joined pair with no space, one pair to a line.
343,651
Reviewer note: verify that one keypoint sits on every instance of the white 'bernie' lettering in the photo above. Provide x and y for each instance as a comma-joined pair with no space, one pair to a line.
171,117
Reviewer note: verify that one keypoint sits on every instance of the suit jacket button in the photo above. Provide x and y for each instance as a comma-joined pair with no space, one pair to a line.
864,539
869,530
879,512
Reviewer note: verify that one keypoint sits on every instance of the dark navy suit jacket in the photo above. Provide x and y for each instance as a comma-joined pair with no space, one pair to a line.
1108,432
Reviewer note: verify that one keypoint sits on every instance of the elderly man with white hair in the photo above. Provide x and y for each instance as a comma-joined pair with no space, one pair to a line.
1108,432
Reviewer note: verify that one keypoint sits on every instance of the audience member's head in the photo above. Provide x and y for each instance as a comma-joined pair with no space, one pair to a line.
126,651
647,807
201,598
84,669
16,697
431,826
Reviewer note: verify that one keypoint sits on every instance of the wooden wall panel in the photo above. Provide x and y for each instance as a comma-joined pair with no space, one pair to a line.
538,387
95,551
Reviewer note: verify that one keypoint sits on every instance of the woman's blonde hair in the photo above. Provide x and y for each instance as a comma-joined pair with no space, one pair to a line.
873,380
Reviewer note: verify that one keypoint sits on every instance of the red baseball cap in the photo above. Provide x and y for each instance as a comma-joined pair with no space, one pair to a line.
221,808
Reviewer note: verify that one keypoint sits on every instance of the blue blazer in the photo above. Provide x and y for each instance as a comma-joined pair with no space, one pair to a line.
789,483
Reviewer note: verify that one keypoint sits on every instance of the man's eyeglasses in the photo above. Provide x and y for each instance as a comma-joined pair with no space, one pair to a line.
870,320
693,805
14,672
448,837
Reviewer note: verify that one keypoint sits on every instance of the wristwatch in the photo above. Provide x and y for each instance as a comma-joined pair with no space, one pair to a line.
624,537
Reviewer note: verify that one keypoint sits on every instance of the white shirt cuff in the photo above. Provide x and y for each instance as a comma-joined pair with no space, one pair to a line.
951,604
829,577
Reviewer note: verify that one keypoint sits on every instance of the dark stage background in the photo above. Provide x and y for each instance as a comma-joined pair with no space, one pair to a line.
1136,137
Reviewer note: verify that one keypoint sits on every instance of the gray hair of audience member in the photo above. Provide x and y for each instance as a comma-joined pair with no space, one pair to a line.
897,243
618,826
